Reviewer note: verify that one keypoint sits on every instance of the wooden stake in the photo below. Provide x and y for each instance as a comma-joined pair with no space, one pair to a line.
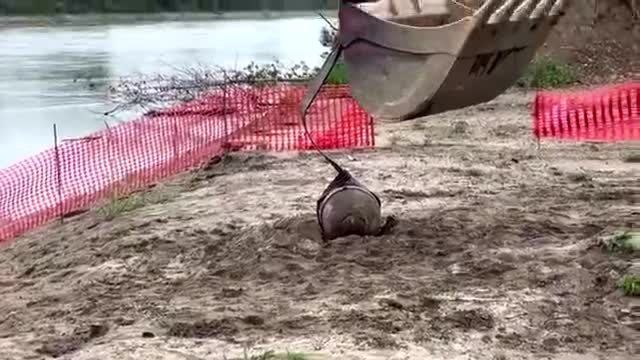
58,171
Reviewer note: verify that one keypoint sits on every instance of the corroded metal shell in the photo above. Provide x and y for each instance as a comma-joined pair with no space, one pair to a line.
348,208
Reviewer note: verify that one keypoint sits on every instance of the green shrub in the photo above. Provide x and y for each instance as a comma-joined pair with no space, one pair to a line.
623,241
338,75
548,73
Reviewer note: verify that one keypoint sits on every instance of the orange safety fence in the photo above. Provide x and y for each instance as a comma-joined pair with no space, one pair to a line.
606,113
130,156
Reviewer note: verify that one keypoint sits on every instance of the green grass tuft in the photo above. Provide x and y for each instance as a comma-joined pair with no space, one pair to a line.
630,285
272,355
118,205
296,356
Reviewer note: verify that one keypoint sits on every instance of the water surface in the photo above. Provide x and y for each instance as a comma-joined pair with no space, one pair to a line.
57,73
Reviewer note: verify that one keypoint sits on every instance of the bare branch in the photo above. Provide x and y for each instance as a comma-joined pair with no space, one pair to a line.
149,92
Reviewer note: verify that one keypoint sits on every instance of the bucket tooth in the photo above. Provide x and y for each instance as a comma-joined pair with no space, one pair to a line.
487,10
558,7
524,10
542,9
504,12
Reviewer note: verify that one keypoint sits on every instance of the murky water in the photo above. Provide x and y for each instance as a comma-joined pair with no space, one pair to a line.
44,70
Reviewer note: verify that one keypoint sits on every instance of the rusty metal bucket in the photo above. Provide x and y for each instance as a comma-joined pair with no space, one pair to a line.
405,66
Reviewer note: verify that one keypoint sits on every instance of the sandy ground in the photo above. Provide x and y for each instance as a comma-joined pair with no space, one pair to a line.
495,256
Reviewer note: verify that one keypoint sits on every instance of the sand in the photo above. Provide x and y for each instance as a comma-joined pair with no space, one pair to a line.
496,256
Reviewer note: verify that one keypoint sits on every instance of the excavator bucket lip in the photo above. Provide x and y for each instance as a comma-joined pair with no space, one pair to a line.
354,22
396,24
358,25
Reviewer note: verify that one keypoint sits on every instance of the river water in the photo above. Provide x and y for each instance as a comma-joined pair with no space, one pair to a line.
57,73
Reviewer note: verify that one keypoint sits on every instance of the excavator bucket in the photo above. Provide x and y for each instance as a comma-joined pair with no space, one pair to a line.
438,58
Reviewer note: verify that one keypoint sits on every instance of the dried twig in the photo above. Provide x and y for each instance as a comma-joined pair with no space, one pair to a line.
186,84
333,27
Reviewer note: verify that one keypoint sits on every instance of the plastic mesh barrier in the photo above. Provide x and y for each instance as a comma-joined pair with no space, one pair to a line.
608,113
127,157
